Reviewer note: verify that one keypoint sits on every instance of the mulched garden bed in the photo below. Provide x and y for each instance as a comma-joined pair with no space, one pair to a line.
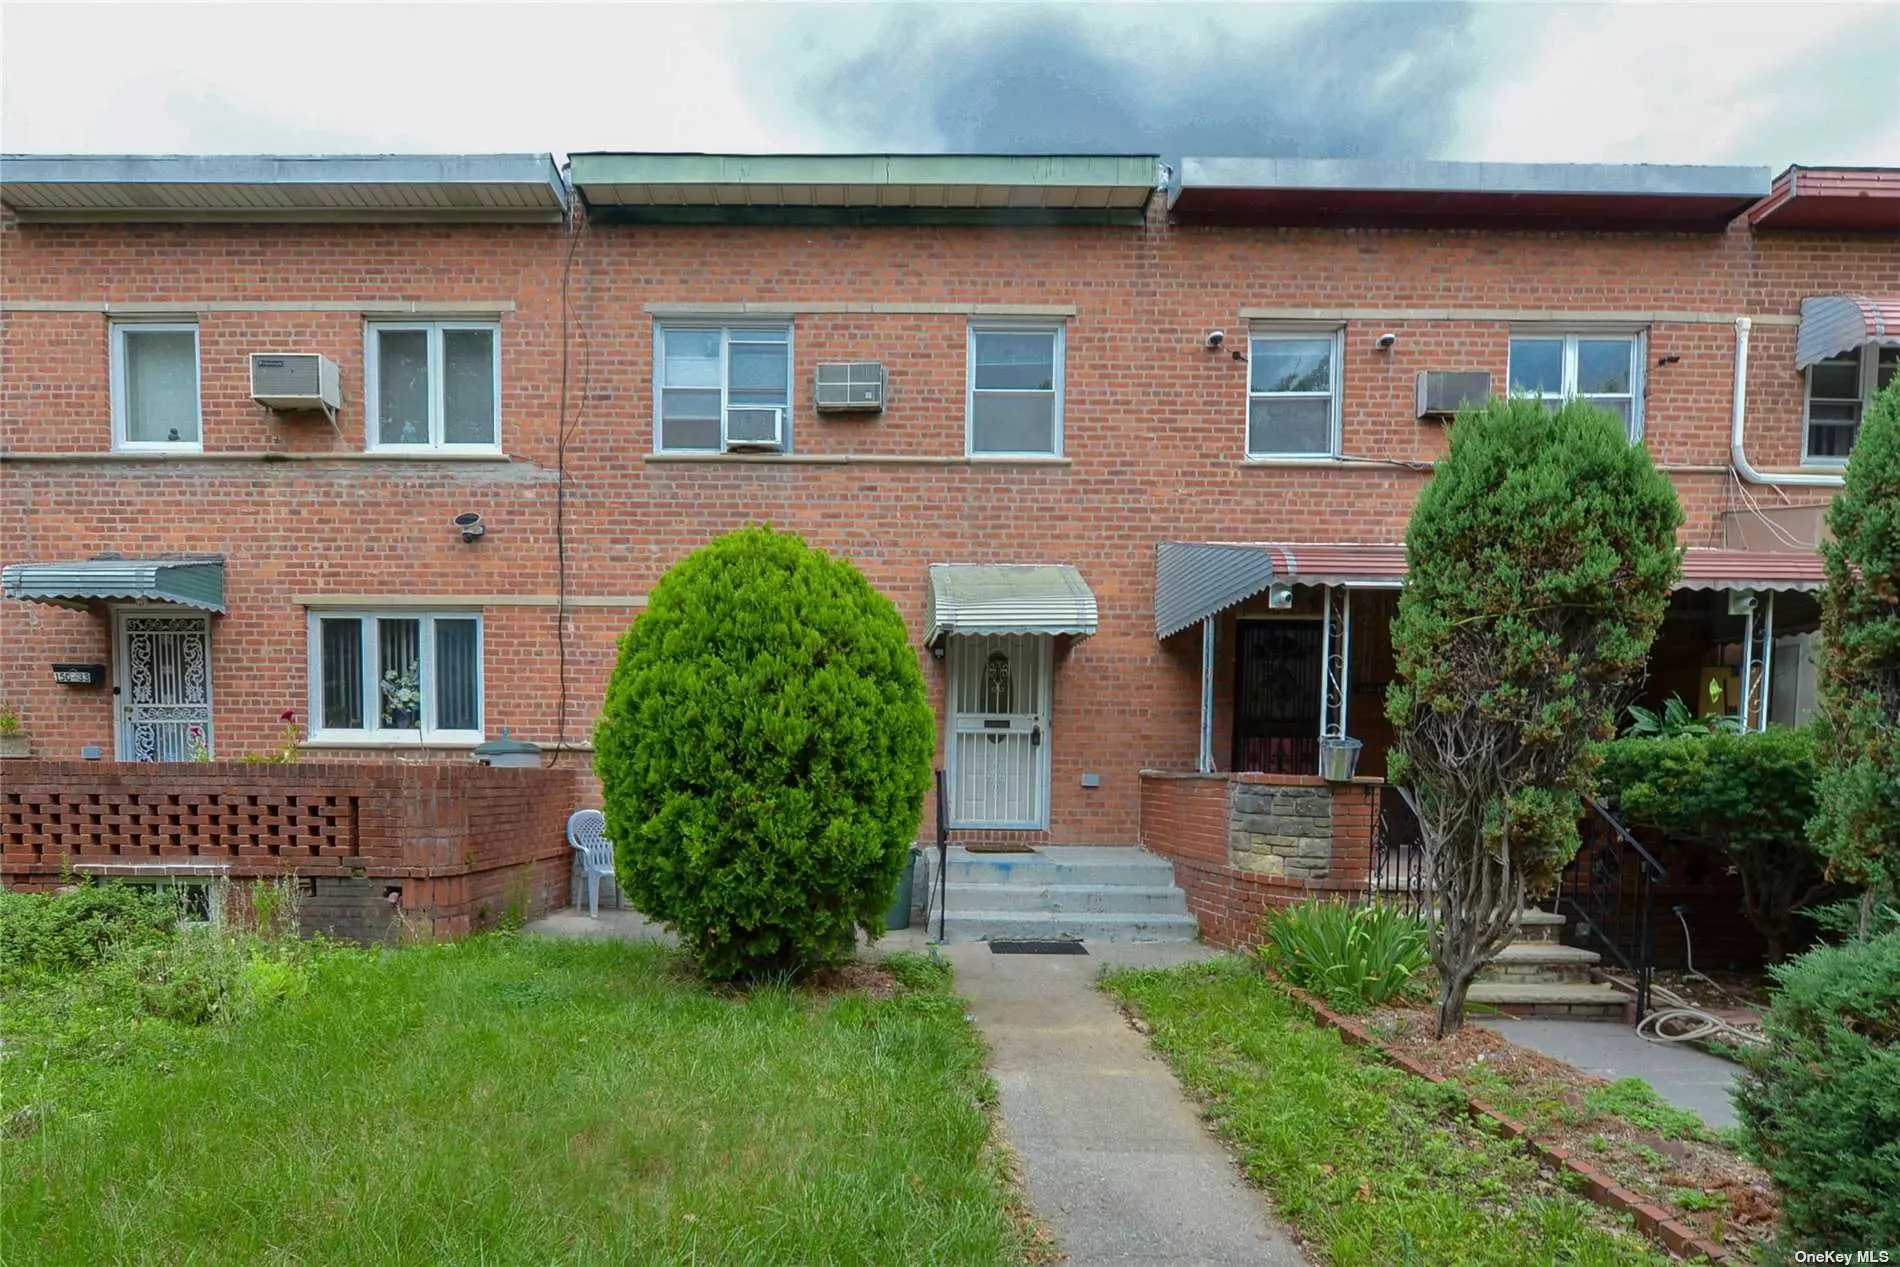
1662,1153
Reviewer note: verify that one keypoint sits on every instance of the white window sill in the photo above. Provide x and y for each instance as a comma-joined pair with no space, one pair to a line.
457,453
254,455
324,743
857,459
150,450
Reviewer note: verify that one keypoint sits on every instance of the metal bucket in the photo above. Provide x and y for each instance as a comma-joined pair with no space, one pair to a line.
1338,758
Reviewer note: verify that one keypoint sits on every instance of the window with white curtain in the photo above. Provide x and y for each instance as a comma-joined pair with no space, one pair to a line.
155,386
1604,369
1015,390
396,677
1839,390
433,385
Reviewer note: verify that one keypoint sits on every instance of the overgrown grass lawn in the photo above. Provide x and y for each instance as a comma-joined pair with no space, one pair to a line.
506,1100
1371,1164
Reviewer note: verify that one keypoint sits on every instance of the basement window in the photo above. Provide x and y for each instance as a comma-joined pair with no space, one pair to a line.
1839,390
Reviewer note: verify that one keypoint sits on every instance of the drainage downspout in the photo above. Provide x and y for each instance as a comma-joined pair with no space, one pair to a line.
1736,453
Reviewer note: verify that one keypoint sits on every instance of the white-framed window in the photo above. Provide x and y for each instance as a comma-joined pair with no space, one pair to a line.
198,904
1014,389
396,676
722,387
1839,390
155,403
433,386
1293,393
1605,369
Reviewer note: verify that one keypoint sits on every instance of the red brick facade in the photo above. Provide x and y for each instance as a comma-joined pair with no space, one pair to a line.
1154,429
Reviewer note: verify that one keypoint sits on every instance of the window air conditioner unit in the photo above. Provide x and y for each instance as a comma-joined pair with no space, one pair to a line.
1442,393
296,381
755,427
850,387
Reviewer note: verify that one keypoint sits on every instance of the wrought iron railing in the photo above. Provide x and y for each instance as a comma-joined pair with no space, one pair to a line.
1609,891
1398,875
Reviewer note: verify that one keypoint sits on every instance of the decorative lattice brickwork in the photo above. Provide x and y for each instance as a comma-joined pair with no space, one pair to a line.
155,825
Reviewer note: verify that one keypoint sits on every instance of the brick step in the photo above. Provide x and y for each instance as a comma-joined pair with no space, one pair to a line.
1574,1000
1540,926
1541,962
1119,899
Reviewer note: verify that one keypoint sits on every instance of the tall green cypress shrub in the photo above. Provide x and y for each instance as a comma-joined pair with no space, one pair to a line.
1857,801
1539,562
763,751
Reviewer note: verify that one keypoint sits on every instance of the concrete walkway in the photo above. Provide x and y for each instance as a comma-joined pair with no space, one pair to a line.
1115,1158
1682,1075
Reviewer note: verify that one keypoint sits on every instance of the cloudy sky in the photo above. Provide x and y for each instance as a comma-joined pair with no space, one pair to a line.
1656,81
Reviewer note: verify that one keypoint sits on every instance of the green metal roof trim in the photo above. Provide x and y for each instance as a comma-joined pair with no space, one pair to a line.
893,189
1009,598
195,583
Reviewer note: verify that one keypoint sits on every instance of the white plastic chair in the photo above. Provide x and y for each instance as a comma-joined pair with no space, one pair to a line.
587,832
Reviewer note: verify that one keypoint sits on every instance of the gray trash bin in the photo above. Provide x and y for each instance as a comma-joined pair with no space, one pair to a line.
899,916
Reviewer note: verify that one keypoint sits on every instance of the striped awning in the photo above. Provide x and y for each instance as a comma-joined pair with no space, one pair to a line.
196,582
1831,324
1009,598
1195,580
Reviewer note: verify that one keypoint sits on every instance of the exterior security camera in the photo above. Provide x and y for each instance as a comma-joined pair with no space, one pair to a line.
469,524
1280,596
1385,341
1214,339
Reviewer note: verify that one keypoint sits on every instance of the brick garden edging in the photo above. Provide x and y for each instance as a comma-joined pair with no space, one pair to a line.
1599,1187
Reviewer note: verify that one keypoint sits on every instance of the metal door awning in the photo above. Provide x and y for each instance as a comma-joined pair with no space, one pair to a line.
1009,598
1832,324
194,582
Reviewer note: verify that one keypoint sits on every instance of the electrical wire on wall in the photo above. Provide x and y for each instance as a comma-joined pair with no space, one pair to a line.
564,429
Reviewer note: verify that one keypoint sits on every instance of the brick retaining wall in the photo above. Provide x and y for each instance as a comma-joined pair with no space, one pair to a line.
448,847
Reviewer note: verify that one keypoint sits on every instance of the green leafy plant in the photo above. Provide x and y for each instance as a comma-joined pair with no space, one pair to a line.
1749,795
55,933
1856,825
763,752
1540,558
1676,720
285,753
1694,1200
1354,956
1820,1103
10,721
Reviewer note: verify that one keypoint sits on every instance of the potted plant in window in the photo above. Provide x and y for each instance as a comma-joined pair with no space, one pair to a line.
13,737
402,698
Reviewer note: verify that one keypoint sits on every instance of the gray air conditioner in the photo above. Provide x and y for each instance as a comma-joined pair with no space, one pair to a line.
296,381
755,427
850,387
1442,393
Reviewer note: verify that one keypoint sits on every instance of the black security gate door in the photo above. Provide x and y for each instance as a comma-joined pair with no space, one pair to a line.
1276,696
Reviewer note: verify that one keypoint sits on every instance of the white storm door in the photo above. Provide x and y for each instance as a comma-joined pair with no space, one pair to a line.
164,680
999,730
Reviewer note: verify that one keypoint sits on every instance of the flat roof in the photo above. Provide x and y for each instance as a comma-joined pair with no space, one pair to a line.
369,188
866,188
1855,199
1396,193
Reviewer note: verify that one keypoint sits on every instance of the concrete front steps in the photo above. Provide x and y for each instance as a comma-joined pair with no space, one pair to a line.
1537,975
1064,893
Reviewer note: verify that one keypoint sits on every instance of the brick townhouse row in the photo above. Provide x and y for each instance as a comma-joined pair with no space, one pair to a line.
398,445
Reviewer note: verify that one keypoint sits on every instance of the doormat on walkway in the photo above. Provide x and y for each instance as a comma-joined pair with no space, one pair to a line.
1037,948
1000,848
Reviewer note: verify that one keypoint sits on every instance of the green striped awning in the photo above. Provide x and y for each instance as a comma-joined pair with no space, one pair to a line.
196,582
1009,598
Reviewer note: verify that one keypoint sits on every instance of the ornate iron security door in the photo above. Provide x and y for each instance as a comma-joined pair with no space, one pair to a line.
999,731
164,687
1277,696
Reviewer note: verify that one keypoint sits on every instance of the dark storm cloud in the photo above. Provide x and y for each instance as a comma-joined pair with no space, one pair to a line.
1342,81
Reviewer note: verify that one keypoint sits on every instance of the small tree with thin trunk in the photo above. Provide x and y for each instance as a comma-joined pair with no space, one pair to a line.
1539,561
1857,798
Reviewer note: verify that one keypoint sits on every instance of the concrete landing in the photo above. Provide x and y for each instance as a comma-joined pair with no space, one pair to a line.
1685,1077
1114,1157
